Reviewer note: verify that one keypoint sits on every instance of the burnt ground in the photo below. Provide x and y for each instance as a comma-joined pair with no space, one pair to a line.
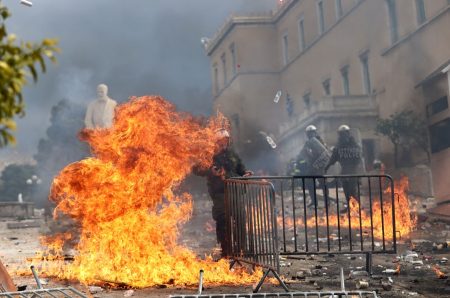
302,273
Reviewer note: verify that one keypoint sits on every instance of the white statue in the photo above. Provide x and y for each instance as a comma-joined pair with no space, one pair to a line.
100,113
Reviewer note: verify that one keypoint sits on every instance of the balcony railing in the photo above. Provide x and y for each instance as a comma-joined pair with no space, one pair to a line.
331,106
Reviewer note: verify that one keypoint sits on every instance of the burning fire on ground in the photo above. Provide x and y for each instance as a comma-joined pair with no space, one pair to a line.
124,200
404,221
439,273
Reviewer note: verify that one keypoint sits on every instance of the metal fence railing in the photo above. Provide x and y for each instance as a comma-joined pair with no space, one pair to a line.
252,224
316,294
56,292
301,215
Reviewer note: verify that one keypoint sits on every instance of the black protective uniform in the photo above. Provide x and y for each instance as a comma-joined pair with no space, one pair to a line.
229,165
349,155
312,159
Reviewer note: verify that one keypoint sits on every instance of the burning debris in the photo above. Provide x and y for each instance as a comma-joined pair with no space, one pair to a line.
404,217
439,273
125,202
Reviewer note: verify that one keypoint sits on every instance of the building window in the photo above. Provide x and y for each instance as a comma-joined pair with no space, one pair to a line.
420,9
345,80
439,136
224,67
392,11
289,105
326,87
339,11
366,73
437,106
320,17
285,49
301,34
216,79
233,59
307,100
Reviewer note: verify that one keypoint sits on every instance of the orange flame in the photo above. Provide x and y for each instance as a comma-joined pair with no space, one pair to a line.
404,221
439,273
124,200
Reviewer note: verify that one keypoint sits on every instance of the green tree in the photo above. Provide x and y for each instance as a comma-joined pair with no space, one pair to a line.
14,181
406,131
18,62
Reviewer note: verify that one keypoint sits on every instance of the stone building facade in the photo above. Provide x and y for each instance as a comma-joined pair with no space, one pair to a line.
335,62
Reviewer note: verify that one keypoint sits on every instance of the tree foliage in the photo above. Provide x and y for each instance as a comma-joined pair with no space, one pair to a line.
406,131
19,61
14,181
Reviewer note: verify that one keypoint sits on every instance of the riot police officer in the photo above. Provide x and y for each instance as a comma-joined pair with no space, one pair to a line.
348,153
226,164
313,157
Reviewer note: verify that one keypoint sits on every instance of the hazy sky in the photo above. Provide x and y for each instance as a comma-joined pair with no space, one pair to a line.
137,47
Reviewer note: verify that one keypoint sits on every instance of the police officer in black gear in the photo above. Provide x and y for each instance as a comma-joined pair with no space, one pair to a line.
312,160
349,155
226,164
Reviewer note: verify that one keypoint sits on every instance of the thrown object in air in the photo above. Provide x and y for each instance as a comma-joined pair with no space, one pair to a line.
271,142
277,97
269,139
26,3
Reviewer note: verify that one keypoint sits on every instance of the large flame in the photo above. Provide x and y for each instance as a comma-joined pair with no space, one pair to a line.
124,201
405,222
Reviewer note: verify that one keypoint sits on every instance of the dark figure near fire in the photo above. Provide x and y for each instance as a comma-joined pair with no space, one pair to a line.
226,164
312,160
349,155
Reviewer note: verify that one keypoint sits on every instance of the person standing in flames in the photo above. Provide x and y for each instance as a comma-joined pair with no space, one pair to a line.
349,155
226,164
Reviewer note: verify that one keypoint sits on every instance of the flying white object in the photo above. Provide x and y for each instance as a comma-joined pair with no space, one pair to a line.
277,97
26,3
269,140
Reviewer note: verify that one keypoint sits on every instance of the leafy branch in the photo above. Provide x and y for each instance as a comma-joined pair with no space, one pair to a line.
405,130
19,61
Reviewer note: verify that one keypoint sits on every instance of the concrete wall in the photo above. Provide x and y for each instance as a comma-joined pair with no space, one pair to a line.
15,209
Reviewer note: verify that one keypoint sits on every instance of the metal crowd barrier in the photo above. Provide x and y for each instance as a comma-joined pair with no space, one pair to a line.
267,212
57,292
252,225
327,294
67,292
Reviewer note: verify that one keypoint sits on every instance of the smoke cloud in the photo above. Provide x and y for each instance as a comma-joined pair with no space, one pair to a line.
136,47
